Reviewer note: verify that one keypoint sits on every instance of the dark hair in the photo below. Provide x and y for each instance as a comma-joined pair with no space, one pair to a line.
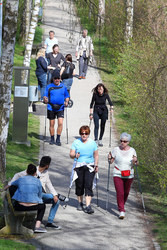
69,57
51,31
84,128
55,45
31,169
95,90
45,160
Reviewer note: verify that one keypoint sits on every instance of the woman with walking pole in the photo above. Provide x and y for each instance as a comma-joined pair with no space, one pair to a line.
84,151
124,158
100,111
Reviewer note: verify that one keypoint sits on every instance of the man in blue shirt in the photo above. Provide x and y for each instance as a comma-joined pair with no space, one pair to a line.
56,97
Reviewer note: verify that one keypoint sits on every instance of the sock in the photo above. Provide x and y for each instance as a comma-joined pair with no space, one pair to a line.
58,138
52,138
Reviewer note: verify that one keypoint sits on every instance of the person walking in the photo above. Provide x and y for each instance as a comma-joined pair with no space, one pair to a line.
84,52
50,41
54,60
28,196
67,72
56,97
99,110
124,158
84,151
48,198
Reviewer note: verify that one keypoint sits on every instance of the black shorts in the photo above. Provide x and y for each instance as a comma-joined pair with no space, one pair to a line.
51,115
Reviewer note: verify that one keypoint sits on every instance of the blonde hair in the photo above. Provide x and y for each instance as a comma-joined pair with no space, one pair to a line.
41,52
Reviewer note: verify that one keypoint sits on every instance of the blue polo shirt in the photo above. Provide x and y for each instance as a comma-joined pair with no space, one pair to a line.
57,95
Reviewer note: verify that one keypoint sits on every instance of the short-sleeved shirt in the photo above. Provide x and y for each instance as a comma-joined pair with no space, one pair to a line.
50,43
123,161
86,150
57,95
72,67
54,61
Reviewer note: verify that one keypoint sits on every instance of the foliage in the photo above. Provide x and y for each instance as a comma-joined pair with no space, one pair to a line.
12,245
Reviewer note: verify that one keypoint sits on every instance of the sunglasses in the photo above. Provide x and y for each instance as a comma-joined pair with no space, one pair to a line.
123,141
84,133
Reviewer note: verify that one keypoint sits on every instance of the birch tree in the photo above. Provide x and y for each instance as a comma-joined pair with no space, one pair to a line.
6,70
129,20
28,9
101,14
31,34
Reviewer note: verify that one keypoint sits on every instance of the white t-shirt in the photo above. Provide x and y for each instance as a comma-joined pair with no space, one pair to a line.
49,43
123,161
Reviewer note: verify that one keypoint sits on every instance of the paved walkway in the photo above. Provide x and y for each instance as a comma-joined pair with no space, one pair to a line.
102,230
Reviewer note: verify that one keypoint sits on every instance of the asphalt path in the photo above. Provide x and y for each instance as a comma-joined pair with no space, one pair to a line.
103,229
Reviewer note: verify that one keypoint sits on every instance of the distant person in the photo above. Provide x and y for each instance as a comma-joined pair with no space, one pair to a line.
54,59
84,52
99,110
124,158
28,196
50,41
84,151
56,97
48,198
67,72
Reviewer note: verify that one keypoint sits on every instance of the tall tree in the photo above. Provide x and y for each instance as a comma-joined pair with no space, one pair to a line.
6,70
28,8
129,20
30,38
101,14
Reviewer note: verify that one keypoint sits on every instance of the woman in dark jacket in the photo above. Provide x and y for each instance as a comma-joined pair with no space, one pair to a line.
100,111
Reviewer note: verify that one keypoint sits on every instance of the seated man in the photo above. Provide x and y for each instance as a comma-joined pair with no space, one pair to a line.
48,198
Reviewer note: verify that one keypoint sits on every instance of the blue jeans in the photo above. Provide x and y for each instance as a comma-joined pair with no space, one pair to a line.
42,82
48,199
68,83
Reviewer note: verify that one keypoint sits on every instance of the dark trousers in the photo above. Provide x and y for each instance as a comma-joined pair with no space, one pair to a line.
84,181
40,209
96,118
83,64
122,187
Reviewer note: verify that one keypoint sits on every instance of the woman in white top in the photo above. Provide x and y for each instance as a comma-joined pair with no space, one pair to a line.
124,158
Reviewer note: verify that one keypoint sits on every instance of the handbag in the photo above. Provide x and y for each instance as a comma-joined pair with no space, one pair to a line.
124,173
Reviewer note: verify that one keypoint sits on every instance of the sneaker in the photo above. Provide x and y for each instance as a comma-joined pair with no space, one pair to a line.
122,215
96,142
88,210
51,142
80,206
52,225
100,143
58,143
83,77
80,77
40,230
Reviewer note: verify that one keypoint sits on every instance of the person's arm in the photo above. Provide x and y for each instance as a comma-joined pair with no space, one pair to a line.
91,106
66,97
91,47
49,185
17,176
110,158
96,160
61,71
73,154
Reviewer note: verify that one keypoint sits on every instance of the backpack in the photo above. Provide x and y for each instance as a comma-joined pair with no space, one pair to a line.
67,71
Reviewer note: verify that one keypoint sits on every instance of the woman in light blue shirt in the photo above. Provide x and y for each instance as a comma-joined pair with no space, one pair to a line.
84,151
28,196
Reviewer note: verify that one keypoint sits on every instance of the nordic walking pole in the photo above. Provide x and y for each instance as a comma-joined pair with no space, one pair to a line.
69,190
90,123
140,189
108,183
66,126
110,128
97,194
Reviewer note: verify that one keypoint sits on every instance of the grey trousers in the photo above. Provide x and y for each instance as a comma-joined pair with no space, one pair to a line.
83,64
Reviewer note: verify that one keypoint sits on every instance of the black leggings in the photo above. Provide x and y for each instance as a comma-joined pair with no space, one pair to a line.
103,118
40,209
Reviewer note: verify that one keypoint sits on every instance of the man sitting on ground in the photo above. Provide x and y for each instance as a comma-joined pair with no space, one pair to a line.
48,198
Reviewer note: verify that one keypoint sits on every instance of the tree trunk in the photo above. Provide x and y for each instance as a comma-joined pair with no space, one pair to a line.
30,39
101,14
6,70
27,17
129,20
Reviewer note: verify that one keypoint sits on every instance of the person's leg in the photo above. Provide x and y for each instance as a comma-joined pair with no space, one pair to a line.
44,83
85,67
96,125
81,65
127,185
79,187
102,127
48,199
119,187
88,190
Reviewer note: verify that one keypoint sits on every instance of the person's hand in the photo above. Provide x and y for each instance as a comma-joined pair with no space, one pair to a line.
77,155
109,157
45,99
111,109
55,198
134,160
76,54
65,103
96,169
91,116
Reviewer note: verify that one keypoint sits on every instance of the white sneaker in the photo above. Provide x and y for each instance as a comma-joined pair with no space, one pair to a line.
100,143
96,142
122,215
